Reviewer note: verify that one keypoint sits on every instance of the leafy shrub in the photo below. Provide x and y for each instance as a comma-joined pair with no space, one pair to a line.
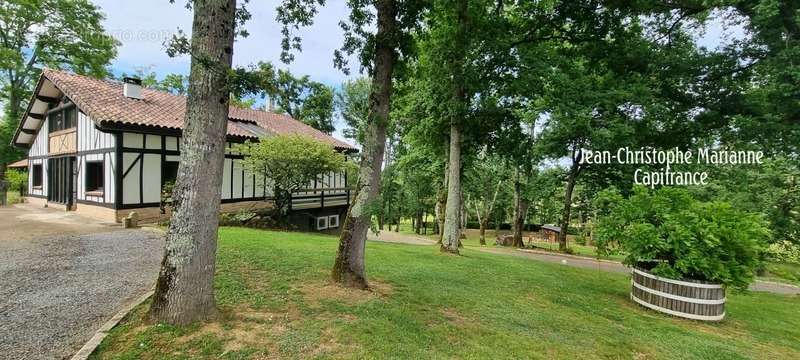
669,233
291,162
17,180
238,218
784,251
166,196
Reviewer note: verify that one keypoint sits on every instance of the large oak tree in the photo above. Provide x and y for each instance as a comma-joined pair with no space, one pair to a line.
185,287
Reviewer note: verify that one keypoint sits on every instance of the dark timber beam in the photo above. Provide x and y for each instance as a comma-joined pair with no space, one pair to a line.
36,116
28,131
47,99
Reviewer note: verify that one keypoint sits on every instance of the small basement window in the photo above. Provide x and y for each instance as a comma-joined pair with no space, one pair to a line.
94,177
36,175
333,221
322,223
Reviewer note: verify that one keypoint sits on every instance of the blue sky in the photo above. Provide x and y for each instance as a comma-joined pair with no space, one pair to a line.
142,26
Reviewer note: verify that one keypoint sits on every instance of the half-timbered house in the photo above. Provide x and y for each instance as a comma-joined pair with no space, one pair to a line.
105,148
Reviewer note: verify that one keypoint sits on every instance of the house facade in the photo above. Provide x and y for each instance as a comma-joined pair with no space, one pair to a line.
105,148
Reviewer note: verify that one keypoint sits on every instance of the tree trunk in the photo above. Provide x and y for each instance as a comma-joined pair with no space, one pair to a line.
3,185
452,225
562,236
520,212
484,224
441,202
185,287
348,269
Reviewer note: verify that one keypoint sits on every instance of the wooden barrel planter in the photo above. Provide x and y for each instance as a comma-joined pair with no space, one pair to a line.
689,299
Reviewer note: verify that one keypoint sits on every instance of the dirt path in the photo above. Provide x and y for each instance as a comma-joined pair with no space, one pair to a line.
393,237
613,266
56,292
566,260
22,222
63,275
576,261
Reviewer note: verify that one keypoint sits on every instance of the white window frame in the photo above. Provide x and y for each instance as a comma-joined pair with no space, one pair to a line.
333,221
324,221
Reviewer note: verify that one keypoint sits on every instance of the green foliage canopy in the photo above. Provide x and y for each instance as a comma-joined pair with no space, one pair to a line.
290,163
352,102
62,34
17,180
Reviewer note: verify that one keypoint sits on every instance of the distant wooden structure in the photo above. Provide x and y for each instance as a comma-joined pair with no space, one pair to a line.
504,239
546,233
550,232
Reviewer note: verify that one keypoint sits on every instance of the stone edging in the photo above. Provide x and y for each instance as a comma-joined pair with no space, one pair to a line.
101,333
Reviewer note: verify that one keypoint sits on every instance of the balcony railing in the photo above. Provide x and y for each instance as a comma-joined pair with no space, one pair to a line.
319,198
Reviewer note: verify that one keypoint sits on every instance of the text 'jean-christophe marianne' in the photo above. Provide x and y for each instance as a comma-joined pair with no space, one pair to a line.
666,159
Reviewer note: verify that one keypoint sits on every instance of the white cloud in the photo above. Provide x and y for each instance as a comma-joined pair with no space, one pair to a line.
143,26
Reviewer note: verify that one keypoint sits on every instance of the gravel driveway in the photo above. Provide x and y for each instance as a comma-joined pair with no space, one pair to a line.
57,290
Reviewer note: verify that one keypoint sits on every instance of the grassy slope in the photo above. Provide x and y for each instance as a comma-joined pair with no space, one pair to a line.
272,289
783,272
473,239
777,272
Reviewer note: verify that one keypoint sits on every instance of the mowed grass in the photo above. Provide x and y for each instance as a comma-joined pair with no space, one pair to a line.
783,272
276,302
473,239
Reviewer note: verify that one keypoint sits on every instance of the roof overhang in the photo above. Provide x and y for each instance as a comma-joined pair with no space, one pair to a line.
36,114
21,164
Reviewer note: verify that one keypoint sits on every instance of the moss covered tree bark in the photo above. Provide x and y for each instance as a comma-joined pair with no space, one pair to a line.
3,184
572,178
348,268
521,205
185,286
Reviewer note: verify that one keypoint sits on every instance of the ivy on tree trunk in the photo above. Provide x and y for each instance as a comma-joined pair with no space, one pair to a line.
348,268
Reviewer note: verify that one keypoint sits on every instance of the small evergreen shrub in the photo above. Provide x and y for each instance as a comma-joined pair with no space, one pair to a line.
671,234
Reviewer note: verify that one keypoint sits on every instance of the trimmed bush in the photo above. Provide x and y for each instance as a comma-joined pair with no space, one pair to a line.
671,234
784,251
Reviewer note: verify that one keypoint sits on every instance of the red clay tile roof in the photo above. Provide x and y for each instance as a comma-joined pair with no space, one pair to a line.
104,101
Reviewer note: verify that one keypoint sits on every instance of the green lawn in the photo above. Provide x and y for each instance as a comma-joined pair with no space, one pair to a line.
473,239
276,302
783,272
